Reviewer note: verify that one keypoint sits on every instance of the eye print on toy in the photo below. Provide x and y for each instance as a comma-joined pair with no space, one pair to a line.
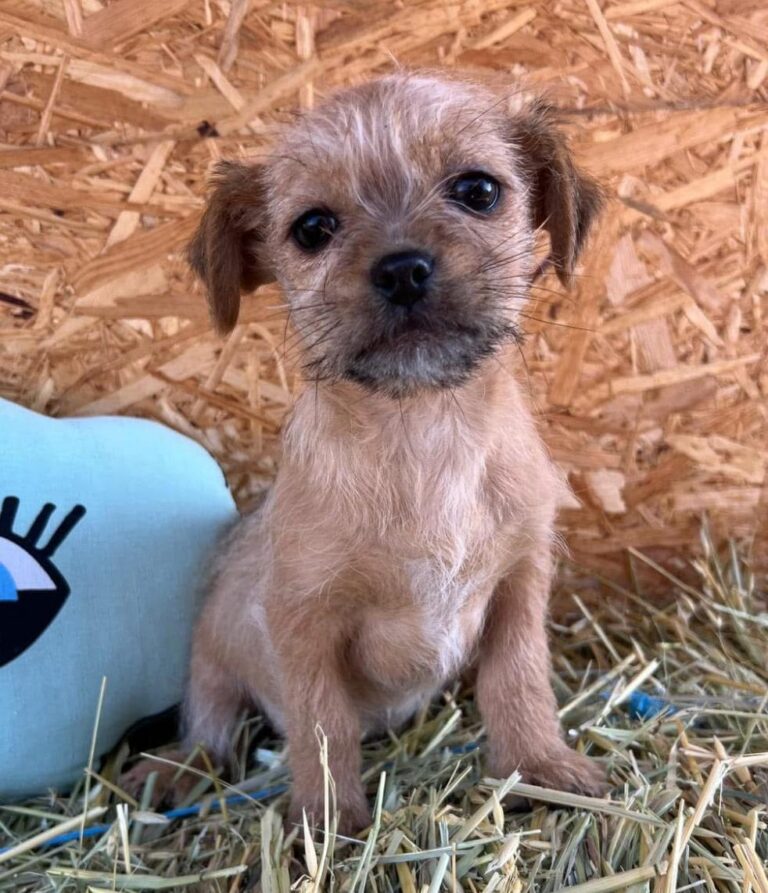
32,589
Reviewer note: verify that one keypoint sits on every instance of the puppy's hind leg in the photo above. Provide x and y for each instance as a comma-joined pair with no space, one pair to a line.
213,703
211,708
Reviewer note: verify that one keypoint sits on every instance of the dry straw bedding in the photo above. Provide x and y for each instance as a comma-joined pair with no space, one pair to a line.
650,381
687,809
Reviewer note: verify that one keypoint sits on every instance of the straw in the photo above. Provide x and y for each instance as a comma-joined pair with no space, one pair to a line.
688,789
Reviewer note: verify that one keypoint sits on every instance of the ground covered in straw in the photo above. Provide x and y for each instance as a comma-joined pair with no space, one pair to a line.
672,699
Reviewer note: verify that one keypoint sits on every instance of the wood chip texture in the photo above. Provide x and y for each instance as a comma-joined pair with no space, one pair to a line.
650,378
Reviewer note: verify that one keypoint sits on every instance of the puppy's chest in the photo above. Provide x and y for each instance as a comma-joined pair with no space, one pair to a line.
445,503
430,576
424,612
416,644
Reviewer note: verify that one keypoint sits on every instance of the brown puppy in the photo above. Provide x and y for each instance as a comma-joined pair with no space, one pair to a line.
410,528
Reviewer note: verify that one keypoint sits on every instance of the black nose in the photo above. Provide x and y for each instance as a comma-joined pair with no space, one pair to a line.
403,278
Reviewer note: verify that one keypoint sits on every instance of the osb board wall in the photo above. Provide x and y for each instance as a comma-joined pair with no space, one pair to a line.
650,379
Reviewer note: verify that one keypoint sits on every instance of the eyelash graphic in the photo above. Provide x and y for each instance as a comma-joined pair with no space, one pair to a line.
32,589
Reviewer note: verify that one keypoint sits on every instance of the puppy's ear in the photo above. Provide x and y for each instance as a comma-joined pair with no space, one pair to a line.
227,251
564,200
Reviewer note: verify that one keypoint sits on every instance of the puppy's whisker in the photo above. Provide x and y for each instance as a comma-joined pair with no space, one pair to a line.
525,301
499,252
279,311
504,272
415,212
318,380
499,260
482,114
309,290
560,295
553,322
516,233
271,156
314,307
321,337
319,315
319,310
304,341
302,331
319,342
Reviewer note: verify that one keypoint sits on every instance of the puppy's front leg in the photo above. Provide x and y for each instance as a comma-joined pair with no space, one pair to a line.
315,693
514,694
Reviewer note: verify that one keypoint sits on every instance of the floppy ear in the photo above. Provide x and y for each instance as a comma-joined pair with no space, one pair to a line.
564,200
227,251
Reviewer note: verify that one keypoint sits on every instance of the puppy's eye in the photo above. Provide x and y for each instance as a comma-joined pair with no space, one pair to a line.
476,191
314,229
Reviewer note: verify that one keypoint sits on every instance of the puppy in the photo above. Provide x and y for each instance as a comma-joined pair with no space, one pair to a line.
409,532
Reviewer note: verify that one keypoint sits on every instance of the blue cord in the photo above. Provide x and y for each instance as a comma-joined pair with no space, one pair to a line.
642,706
182,812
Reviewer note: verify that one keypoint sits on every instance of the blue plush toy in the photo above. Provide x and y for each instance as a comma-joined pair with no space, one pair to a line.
106,530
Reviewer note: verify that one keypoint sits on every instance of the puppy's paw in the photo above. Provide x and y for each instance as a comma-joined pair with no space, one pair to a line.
567,770
168,790
353,814
354,817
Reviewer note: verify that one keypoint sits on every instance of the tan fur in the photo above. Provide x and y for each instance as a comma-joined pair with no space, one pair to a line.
409,532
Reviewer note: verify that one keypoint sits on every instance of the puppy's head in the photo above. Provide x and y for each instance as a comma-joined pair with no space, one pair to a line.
399,219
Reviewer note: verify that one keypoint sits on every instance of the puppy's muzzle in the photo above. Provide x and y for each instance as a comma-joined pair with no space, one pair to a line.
403,278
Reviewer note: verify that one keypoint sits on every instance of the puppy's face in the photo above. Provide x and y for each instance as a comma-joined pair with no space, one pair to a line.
399,219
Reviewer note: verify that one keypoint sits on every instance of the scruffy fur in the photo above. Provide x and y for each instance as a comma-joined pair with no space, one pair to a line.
409,532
